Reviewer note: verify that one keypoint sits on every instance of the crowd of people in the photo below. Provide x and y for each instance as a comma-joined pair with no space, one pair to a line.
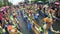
50,12
8,21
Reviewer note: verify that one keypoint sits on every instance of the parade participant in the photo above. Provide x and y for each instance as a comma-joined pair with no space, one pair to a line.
40,10
36,18
51,13
48,26
14,18
46,7
18,11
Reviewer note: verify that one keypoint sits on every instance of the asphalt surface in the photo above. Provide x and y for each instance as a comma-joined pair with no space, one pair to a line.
23,26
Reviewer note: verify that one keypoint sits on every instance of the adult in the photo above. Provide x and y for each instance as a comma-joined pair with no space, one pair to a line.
1,16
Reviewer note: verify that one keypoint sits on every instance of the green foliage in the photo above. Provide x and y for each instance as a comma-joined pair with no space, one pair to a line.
42,0
4,3
0,4
38,0
9,3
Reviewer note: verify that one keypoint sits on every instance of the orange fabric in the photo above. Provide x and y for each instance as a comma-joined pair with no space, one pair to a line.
46,19
9,27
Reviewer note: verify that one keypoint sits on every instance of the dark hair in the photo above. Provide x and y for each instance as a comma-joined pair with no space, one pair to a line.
17,6
0,21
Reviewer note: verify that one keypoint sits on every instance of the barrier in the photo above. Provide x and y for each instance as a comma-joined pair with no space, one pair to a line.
36,29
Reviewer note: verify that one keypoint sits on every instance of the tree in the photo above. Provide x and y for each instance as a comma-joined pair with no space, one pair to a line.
0,3
9,3
38,0
4,3
42,0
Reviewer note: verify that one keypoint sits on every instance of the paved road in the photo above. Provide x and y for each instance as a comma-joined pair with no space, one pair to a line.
23,26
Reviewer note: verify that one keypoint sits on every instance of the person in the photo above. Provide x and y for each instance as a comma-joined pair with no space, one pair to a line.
36,18
14,31
18,11
40,11
0,30
1,19
4,32
48,26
